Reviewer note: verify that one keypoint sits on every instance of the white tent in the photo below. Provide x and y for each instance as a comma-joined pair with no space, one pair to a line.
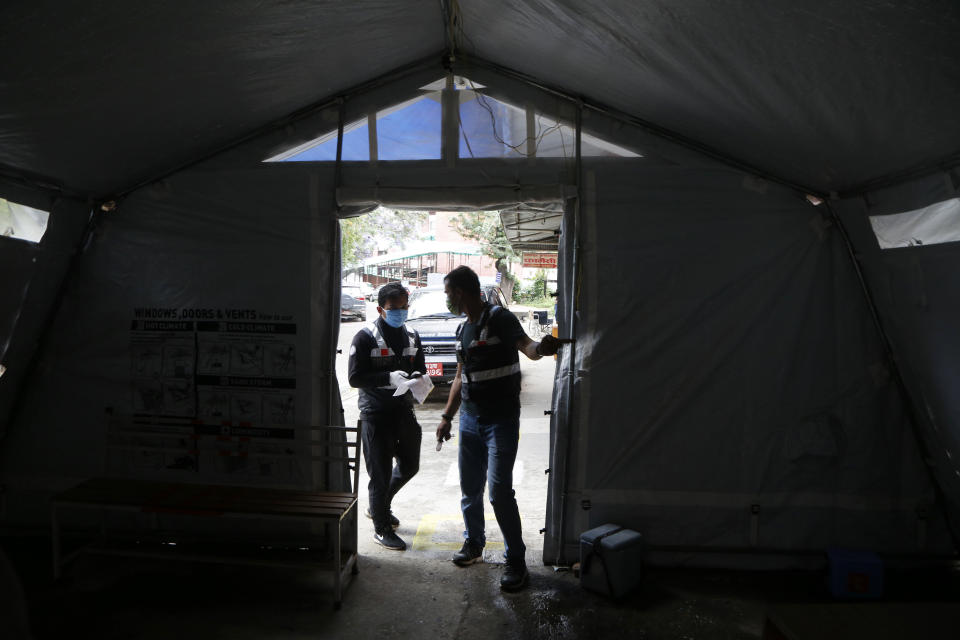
753,378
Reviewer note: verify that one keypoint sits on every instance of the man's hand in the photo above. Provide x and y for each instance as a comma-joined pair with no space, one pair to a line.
396,377
548,346
443,430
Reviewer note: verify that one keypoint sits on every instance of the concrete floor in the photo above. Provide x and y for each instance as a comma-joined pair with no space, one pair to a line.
418,593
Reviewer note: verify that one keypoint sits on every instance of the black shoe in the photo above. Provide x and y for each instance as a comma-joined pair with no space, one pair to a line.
390,540
515,576
394,522
468,554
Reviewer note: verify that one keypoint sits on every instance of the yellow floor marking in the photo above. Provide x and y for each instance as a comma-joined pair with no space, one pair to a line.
423,540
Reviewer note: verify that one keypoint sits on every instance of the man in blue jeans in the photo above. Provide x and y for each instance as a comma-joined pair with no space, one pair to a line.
488,385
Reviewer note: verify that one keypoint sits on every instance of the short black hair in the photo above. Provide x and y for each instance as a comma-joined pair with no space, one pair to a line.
391,290
463,277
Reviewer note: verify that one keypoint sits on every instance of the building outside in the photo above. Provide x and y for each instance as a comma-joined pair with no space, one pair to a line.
441,250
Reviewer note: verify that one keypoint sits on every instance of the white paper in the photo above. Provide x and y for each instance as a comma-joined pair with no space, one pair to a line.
420,388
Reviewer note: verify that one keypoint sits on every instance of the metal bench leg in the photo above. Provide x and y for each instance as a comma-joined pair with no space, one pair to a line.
354,546
337,568
55,537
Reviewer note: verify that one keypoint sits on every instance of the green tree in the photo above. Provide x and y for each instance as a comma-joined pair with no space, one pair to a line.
538,288
486,228
359,236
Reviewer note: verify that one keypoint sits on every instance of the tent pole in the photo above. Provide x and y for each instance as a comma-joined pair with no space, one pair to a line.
572,305
895,370
333,299
947,164
48,186
13,415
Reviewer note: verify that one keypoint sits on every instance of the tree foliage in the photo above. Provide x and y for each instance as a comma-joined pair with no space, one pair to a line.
360,236
486,228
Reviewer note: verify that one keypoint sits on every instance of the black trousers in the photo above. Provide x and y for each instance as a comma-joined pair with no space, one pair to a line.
387,437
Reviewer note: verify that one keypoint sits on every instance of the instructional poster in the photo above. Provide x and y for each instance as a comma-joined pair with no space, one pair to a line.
226,375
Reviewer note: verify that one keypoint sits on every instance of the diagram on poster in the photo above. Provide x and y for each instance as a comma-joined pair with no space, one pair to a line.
278,409
213,405
280,360
233,371
214,358
246,359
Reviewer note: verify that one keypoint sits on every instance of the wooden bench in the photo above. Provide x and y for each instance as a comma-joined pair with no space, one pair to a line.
336,510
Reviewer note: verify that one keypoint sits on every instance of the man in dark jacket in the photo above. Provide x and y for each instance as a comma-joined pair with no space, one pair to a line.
488,385
383,355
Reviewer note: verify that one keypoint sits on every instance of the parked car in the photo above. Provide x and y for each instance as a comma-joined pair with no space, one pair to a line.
358,292
428,314
350,307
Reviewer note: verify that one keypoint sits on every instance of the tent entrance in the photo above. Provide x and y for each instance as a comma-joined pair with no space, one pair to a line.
531,226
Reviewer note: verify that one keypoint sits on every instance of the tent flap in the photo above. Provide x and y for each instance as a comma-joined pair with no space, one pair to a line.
734,375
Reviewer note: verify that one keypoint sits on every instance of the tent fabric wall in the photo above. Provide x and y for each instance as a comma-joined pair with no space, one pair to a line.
736,366
825,98
915,291
159,86
259,242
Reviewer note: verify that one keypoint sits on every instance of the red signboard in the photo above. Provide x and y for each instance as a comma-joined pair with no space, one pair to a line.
540,260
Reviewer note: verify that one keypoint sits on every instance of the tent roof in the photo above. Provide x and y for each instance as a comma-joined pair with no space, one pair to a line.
107,93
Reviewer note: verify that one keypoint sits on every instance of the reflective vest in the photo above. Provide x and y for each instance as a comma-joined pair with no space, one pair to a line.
383,358
489,366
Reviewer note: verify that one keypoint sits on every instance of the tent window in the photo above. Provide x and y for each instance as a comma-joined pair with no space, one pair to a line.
488,128
491,128
21,221
324,149
406,131
935,224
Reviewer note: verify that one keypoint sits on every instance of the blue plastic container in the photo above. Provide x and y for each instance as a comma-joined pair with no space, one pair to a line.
611,560
854,574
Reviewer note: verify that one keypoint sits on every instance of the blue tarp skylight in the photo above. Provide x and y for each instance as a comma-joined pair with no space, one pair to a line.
488,128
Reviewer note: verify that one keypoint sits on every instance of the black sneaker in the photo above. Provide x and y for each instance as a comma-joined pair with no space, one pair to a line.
515,576
394,522
390,540
468,554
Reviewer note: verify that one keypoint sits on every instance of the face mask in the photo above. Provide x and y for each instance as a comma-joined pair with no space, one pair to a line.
395,317
453,307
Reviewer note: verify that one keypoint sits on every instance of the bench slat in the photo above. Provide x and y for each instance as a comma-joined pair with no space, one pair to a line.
139,485
196,499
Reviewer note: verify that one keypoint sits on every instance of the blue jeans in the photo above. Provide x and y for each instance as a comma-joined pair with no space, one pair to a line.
488,449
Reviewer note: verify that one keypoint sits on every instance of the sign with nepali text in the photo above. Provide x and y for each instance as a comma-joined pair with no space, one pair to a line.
540,260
